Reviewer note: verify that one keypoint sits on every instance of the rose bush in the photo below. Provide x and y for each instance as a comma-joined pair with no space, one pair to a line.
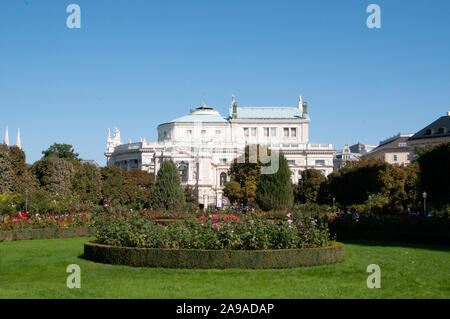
135,229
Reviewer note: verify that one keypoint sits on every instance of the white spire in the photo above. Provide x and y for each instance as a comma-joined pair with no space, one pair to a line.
6,140
18,141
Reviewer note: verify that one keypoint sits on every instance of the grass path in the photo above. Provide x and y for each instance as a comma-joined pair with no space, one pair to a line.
37,269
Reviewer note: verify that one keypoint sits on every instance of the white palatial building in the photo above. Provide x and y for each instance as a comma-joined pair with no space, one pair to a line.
204,143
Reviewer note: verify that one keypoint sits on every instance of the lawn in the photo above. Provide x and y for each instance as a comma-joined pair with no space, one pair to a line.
37,269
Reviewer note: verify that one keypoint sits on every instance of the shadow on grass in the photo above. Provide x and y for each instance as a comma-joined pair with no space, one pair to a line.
389,243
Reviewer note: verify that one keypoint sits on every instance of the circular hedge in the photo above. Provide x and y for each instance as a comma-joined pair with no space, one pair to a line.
218,259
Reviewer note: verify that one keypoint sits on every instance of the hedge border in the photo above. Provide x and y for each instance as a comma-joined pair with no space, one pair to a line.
414,238
213,259
46,233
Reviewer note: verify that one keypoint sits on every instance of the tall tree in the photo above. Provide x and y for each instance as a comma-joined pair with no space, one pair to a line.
113,190
434,177
6,170
86,182
54,174
23,179
138,186
274,191
64,151
244,175
168,192
309,187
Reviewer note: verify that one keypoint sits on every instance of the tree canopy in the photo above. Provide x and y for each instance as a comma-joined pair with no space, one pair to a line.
64,151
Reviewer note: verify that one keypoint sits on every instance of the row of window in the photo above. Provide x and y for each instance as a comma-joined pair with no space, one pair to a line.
189,132
271,131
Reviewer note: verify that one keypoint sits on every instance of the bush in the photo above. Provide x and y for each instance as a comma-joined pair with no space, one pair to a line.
216,232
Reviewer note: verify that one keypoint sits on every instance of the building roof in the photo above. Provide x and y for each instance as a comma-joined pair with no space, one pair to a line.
439,128
207,118
398,142
267,112
203,114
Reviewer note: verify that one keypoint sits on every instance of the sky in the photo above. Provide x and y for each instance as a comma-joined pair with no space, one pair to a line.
137,64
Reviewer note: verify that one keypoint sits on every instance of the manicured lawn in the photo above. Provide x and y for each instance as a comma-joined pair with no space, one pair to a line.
37,269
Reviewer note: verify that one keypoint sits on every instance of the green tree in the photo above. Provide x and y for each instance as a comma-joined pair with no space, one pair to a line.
113,189
23,179
64,151
244,176
54,174
138,186
434,175
6,170
310,186
86,182
274,191
168,192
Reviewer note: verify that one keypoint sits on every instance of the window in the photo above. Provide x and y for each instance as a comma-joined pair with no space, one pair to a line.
253,131
402,144
222,160
218,132
183,170
223,179
293,132
245,131
273,131
292,162
395,158
188,132
320,162
286,131
266,131
203,132
299,172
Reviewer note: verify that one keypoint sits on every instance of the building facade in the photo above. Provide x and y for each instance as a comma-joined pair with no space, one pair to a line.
431,135
204,143
394,150
351,153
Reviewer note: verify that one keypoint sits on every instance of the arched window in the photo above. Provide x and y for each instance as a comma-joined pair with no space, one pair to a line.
223,179
183,169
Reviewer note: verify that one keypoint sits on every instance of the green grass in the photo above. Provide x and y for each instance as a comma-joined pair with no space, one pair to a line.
37,269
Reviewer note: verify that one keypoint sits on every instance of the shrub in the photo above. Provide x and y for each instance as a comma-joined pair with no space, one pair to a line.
216,232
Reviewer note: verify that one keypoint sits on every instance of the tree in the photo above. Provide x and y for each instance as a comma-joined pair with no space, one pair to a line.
274,191
113,190
434,175
310,186
64,151
168,193
138,186
6,170
354,185
23,179
244,176
86,182
54,174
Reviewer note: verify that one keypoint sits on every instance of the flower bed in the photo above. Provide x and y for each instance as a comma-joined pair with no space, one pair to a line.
214,259
211,232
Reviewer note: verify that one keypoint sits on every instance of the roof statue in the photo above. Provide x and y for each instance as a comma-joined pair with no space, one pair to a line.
6,140
18,141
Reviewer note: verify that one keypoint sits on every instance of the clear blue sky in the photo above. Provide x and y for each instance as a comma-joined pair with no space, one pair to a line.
136,64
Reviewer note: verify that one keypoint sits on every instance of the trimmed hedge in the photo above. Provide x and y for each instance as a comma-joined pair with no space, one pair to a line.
46,233
435,239
217,259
